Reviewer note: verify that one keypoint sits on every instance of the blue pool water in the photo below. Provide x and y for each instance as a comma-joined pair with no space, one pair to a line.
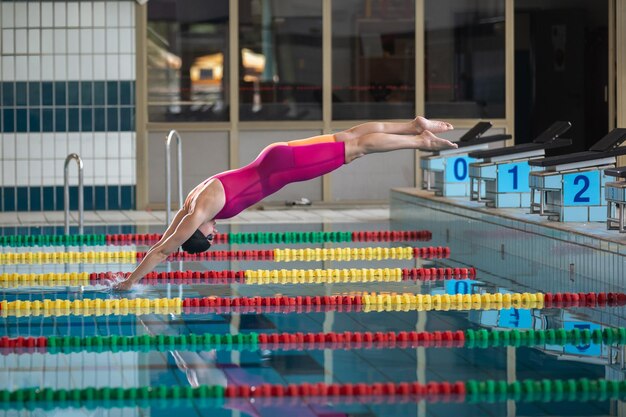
186,367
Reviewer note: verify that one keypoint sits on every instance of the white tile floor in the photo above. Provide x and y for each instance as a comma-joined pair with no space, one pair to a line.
291,215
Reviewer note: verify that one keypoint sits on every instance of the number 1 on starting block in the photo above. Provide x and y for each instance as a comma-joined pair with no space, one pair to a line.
513,178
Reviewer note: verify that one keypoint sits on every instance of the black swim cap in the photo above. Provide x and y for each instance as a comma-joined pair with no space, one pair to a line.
196,243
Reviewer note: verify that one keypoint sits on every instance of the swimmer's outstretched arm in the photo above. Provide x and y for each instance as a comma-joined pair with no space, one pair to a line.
171,228
185,227
168,232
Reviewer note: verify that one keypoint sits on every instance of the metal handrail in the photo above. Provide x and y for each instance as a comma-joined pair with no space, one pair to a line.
66,193
168,174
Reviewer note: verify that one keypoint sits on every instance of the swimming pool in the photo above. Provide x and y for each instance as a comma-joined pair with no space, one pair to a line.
313,368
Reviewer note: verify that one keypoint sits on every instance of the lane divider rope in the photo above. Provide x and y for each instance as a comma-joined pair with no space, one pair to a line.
68,257
317,254
471,391
364,302
257,277
52,240
234,238
469,338
294,237
276,255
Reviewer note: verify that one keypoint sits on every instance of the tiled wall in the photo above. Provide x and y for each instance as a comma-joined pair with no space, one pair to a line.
67,85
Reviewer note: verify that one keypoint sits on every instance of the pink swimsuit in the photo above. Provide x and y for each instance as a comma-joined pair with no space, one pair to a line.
276,166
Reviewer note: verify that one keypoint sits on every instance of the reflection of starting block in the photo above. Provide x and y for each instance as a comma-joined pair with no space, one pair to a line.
571,189
501,179
447,171
616,200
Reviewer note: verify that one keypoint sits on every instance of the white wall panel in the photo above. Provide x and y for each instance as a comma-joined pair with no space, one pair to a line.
51,46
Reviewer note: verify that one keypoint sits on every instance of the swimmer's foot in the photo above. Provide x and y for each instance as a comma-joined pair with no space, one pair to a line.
435,126
430,142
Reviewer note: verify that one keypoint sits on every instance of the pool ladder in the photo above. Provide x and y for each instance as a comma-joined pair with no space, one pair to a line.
66,193
168,174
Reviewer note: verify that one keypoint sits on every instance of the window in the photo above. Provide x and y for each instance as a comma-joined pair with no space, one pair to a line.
465,59
373,59
187,48
280,72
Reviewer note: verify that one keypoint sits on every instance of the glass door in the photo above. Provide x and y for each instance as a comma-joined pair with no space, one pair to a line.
562,69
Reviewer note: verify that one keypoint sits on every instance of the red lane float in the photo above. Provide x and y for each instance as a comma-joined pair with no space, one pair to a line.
356,340
150,238
19,343
391,236
568,299
433,391
318,300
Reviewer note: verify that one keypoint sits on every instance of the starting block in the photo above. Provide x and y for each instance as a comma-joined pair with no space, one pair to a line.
572,187
616,200
501,179
447,171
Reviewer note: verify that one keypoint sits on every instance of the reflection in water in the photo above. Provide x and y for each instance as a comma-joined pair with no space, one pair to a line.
203,368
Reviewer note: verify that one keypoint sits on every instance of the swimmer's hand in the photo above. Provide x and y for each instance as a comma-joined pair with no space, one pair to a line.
430,142
125,285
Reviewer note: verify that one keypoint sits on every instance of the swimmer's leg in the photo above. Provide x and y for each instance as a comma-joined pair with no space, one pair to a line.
385,142
414,127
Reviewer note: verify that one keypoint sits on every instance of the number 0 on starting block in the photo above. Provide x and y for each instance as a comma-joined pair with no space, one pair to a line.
457,168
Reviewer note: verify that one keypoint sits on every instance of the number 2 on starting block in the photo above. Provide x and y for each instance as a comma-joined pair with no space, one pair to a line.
513,178
581,189
457,168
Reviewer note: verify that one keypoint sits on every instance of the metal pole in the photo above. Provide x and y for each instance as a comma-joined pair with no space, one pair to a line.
168,175
66,193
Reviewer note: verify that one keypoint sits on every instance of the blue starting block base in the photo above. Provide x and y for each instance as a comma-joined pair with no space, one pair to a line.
448,176
570,196
501,184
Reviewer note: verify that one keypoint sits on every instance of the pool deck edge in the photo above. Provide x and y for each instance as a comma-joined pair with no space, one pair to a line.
593,234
